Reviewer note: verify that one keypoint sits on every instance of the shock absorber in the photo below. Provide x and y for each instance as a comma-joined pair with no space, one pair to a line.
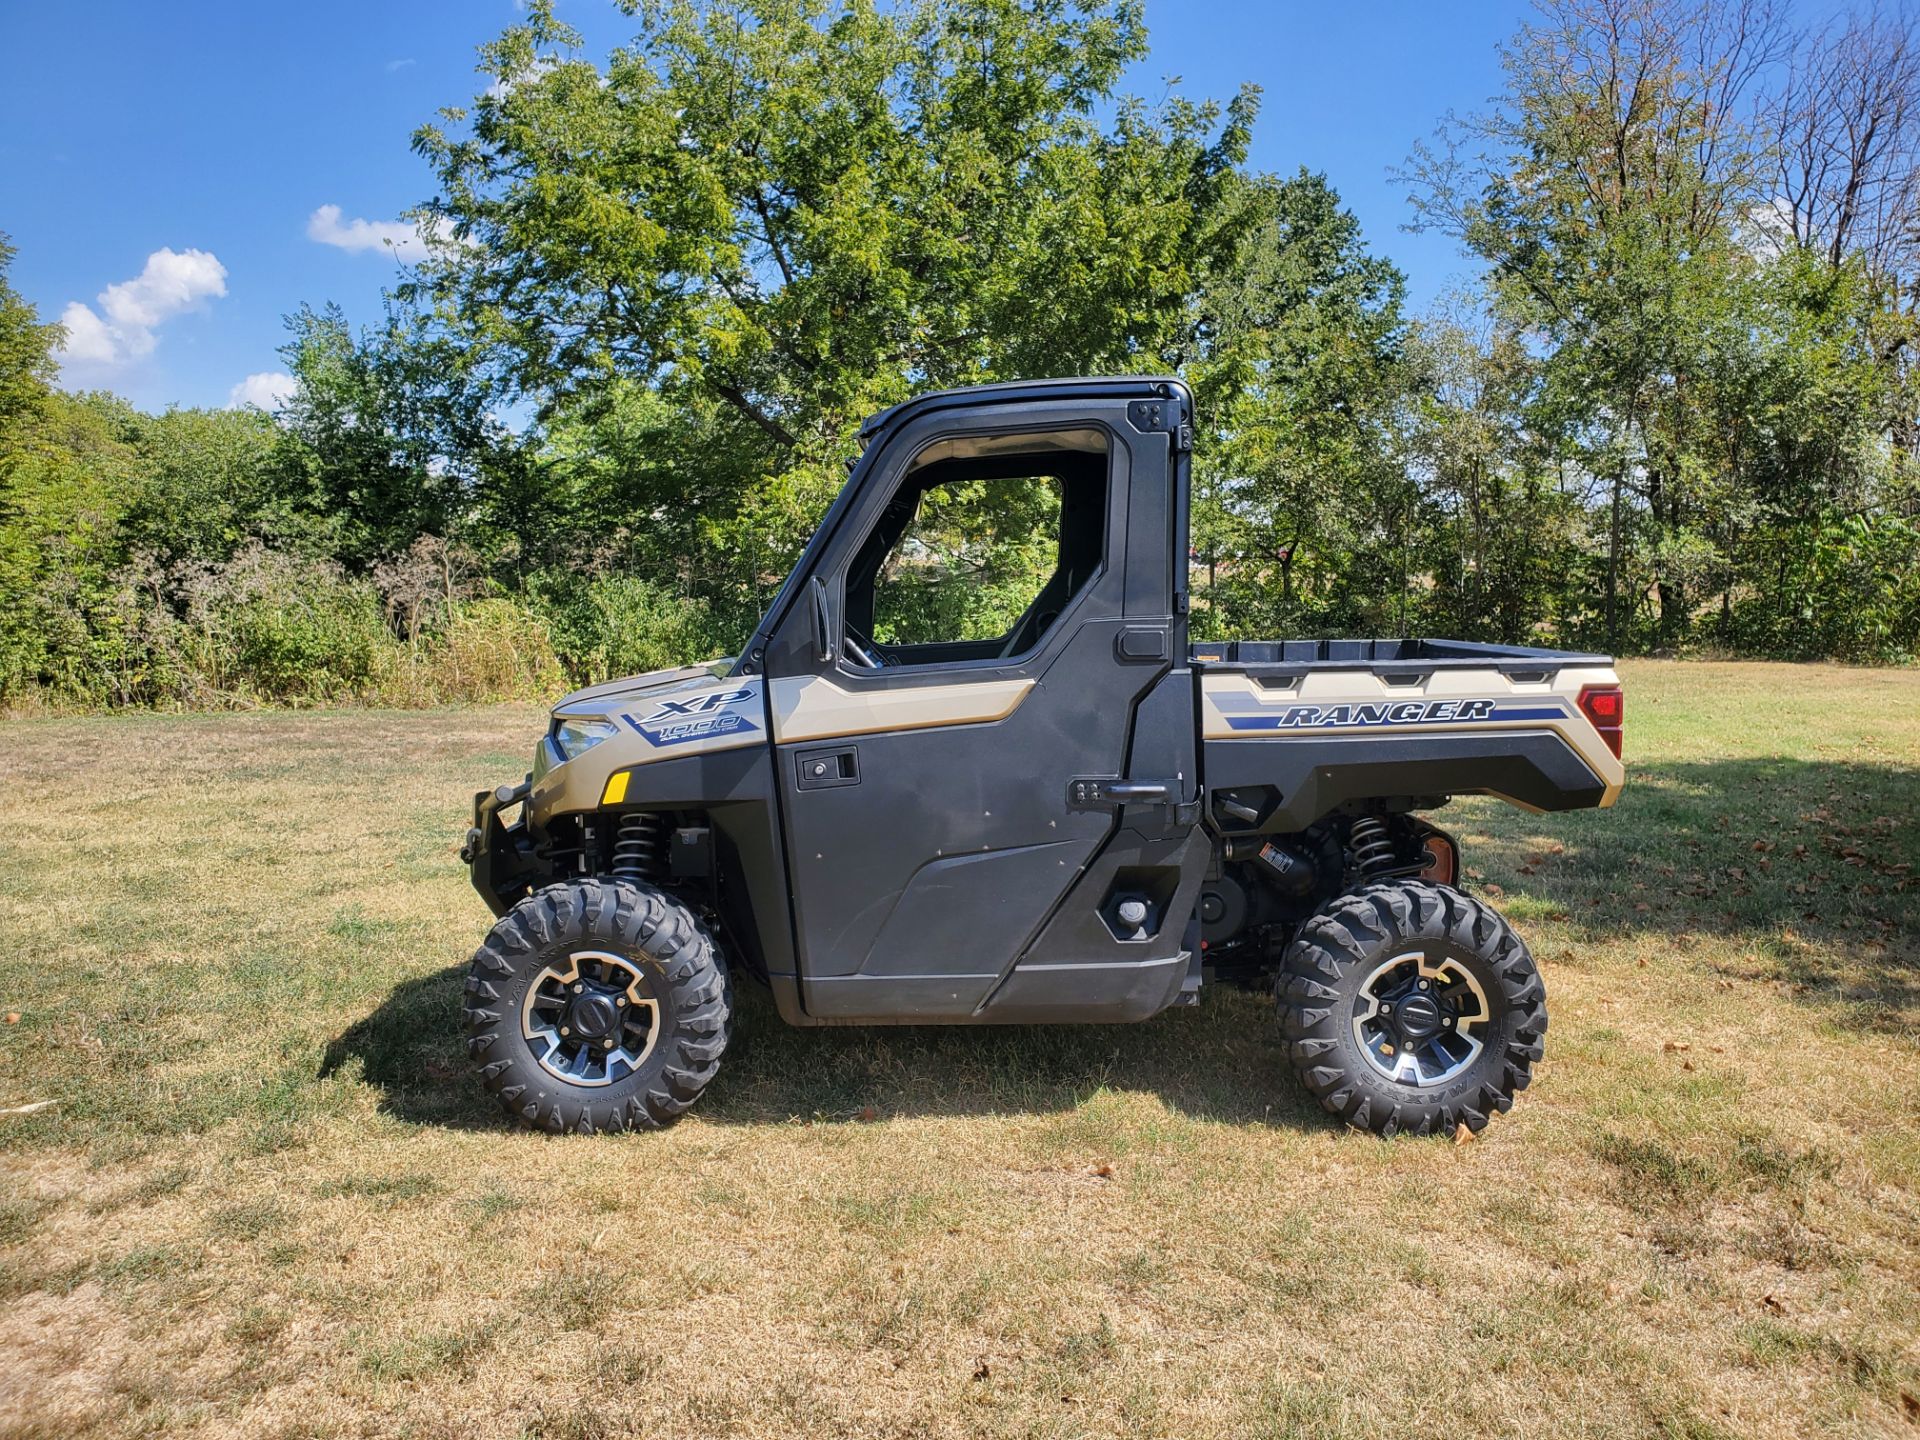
639,847
1370,845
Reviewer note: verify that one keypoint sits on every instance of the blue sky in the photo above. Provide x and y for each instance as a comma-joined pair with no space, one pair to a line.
166,166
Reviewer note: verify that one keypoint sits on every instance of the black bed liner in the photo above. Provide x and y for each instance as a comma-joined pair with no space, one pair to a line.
1285,659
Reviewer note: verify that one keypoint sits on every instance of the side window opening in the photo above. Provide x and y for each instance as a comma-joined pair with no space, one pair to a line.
985,543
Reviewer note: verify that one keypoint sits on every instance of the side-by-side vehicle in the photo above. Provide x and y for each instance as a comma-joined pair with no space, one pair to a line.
901,806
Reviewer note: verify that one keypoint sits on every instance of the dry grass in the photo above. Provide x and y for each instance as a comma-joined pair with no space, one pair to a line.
272,1203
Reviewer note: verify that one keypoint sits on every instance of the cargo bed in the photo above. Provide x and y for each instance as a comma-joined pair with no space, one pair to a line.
1388,657
1316,724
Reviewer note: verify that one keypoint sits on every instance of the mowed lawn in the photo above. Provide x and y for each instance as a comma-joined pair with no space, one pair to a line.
271,1201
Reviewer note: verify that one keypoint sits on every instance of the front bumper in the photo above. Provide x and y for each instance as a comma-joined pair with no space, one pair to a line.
500,857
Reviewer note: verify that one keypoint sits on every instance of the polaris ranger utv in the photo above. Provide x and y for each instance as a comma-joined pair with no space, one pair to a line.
887,819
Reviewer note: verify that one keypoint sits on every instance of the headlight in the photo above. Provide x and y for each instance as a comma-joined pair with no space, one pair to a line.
576,737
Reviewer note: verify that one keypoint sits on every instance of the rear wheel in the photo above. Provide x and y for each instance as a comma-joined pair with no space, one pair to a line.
1412,1007
598,1005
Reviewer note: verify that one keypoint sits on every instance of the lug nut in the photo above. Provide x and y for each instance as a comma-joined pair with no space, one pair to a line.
1423,985
578,988
565,1031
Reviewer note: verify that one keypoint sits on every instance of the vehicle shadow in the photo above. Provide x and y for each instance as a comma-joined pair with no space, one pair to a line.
1813,866
1220,1060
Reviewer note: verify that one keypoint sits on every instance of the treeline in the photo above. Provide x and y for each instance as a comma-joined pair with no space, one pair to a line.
1678,413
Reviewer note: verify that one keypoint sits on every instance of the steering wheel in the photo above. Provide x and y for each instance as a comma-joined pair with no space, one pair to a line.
861,655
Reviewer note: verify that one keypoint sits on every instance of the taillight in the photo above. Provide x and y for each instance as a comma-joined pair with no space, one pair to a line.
1606,707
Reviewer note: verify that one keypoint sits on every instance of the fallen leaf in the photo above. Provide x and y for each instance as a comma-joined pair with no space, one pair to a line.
1673,1045
1493,890
981,1369
1774,1305
13,1017
1462,1134
1104,1170
1643,907
867,1112
1686,1064
1910,1403
1556,848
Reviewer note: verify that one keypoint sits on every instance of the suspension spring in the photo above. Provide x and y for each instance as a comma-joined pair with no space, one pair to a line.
639,847
1371,845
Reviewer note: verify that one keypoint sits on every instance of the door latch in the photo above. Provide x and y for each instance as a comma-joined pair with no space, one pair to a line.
825,769
1110,792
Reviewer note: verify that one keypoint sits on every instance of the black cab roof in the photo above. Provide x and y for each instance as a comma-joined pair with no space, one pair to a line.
1065,388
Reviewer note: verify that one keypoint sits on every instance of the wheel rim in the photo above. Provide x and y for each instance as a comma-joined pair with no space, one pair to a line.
1421,1019
590,1019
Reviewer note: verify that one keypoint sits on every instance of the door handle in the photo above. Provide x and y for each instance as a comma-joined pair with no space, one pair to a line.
1101,792
1142,792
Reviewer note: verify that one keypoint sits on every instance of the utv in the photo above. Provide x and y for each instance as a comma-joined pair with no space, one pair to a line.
887,817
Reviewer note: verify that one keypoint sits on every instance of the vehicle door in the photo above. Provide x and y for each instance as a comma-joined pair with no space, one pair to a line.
971,645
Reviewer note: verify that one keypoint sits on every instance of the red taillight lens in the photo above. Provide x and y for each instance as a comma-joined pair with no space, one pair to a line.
1606,707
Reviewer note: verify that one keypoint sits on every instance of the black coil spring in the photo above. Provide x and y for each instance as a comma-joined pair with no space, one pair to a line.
1371,845
639,847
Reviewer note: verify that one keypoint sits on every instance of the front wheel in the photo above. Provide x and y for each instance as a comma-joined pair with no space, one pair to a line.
597,1005
1410,1006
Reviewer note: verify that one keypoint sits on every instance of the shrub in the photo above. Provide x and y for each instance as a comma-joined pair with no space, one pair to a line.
283,628
489,650
616,625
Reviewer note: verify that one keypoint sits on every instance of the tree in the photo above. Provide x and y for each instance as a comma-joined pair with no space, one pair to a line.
1606,204
387,436
782,215
1502,549
1303,503
27,365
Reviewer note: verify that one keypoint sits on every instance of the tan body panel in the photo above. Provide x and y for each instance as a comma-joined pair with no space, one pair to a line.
1227,695
687,713
814,708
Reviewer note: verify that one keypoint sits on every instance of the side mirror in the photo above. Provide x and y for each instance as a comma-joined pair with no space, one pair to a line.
822,623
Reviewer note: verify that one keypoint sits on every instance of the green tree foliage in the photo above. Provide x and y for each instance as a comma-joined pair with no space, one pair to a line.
1708,365
776,217
26,352
592,430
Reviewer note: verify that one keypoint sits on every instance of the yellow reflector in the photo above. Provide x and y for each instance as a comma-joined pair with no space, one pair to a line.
616,788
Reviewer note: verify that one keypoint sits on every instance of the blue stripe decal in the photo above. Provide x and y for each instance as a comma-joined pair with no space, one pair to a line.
1342,717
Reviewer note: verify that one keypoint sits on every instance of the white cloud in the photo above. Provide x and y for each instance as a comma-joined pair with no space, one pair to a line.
88,341
269,390
397,65
402,238
130,311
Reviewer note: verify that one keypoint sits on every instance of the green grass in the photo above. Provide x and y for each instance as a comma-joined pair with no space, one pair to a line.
272,1201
